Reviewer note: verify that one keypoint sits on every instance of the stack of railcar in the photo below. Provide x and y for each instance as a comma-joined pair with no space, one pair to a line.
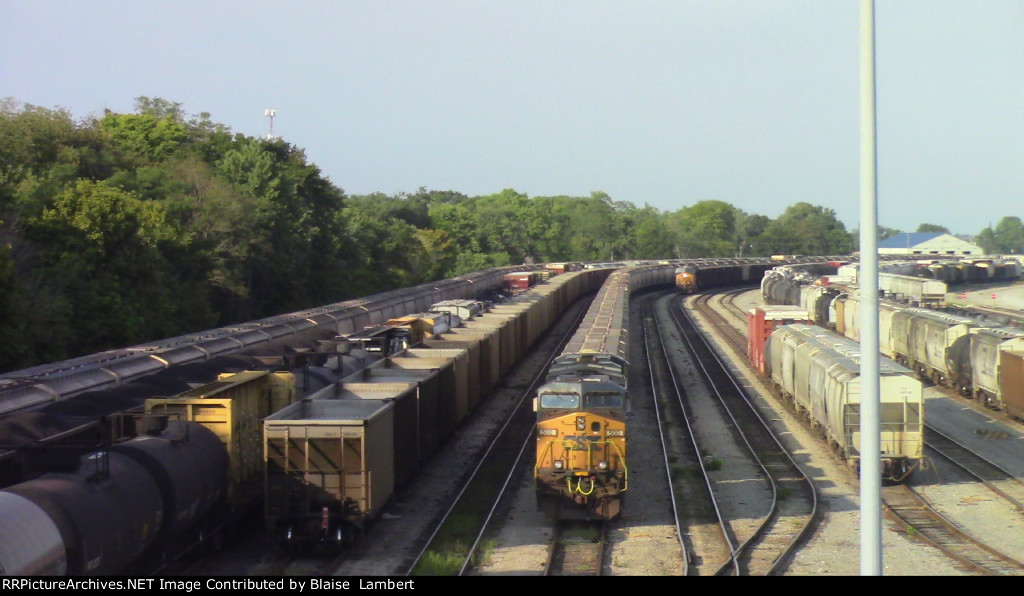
335,459
131,505
314,343
581,467
976,355
580,470
38,385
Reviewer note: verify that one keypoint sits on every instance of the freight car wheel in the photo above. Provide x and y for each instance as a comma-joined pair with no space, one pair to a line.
338,541
288,540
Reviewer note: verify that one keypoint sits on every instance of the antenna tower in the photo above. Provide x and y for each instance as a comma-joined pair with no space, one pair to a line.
270,114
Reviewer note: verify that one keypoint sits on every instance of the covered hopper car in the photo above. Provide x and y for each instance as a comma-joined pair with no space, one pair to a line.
818,372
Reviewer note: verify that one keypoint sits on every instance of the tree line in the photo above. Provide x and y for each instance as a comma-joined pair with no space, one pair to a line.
125,228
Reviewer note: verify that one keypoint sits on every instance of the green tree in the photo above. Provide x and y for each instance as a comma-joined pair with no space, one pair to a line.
705,229
929,228
597,231
1006,238
13,315
386,246
143,137
808,230
102,247
749,232
653,238
159,108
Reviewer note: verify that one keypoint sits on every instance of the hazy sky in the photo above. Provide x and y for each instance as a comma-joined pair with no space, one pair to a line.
660,103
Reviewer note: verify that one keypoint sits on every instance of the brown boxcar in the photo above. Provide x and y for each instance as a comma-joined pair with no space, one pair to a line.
505,331
1011,381
435,420
406,447
489,344
519,282
329,468
454,363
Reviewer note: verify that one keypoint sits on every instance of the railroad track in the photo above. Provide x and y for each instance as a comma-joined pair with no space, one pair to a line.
910,510
458,535
998,480
793,509
907,508
577,549
700,526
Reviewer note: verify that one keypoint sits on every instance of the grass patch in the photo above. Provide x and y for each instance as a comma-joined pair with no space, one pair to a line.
443,564
691,471
579,532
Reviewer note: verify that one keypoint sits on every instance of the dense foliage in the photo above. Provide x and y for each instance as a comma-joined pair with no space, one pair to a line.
125,228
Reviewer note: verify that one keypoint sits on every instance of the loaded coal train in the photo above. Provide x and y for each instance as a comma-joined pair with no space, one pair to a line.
381,419
581,465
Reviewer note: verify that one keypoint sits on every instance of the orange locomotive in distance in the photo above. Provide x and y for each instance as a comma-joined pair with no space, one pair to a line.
686,279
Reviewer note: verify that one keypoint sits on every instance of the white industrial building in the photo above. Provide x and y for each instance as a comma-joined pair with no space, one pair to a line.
928,243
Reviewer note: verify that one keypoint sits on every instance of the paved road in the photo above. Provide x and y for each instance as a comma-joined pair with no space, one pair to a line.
999,296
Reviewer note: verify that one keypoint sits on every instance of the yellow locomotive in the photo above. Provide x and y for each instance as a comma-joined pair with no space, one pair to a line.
686,278
580,470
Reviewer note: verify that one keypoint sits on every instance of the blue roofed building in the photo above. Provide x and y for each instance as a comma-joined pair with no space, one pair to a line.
928,243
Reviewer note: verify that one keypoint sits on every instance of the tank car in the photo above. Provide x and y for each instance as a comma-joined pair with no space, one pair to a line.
119,506
580,470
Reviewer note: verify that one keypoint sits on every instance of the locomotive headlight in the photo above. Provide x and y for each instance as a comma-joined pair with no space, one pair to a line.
581,423
559,464
618,432
547,432
603,466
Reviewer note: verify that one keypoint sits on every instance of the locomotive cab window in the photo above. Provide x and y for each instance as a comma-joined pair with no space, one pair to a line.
560,401
611,400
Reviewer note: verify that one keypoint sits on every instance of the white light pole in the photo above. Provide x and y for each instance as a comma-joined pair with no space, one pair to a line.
870,438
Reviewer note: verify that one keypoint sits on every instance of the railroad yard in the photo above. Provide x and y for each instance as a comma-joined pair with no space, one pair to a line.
644,541
726,476
834,547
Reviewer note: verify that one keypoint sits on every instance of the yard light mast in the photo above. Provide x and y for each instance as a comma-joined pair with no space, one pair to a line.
870,437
